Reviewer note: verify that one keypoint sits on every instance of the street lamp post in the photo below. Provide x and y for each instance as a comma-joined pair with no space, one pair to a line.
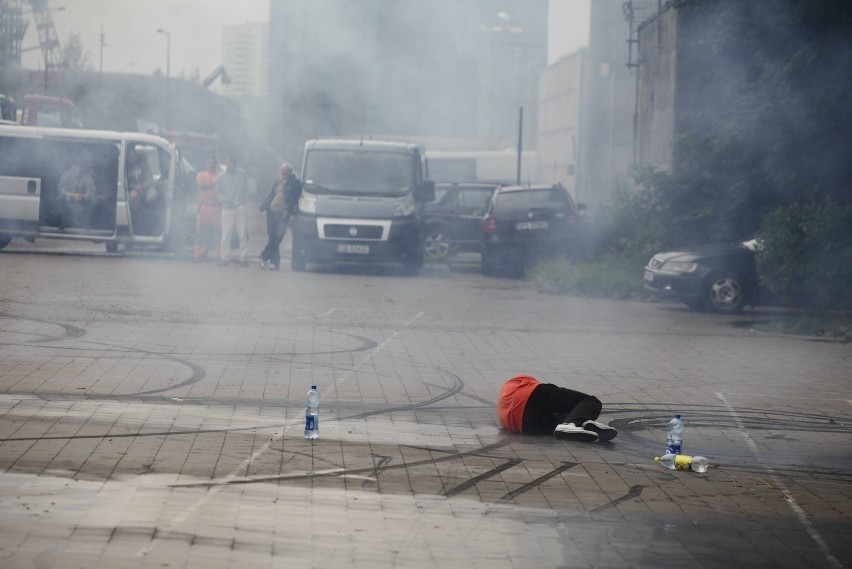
168,35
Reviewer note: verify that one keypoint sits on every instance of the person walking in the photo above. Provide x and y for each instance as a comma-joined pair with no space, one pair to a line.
208,220
233,193
279,206
526,405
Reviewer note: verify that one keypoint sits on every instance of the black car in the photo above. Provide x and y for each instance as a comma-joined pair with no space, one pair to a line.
720,278
454,218
525,223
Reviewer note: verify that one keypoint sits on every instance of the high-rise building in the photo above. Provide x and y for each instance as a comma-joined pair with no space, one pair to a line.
245,56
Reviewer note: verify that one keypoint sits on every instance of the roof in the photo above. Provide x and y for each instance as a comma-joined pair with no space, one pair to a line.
352,144
532,187
57,132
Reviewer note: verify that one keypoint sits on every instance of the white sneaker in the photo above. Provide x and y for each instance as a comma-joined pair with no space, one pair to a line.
604,432
572,431
264,265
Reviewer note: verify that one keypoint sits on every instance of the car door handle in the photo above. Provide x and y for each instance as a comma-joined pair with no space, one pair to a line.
31,187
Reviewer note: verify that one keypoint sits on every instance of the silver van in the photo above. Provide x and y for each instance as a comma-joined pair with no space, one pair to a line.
361,202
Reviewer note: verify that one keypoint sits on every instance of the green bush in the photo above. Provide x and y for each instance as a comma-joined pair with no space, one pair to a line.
806,255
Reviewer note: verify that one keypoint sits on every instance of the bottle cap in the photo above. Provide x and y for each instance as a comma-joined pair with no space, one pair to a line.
313,386
677,415
656,459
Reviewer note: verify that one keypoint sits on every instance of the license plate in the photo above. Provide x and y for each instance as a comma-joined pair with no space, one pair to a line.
523,225
649,276
357,249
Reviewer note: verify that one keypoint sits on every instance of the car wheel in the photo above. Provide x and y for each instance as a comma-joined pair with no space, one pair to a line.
437,246
111,247
726,293
5,240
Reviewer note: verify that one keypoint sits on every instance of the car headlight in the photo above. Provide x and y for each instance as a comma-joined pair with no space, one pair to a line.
680,267
404,207
308,203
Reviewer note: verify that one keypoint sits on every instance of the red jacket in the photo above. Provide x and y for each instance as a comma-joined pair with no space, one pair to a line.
513,399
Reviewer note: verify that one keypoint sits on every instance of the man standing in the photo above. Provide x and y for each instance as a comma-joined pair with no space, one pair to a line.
232,191
208,220
279,206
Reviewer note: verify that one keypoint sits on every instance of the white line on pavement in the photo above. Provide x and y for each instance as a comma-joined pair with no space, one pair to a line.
788,496
243,467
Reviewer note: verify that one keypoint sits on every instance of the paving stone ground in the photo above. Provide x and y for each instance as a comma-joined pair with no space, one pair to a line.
151,415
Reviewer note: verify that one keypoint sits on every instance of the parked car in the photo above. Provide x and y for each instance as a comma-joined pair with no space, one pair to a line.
720,278
526,223
454,219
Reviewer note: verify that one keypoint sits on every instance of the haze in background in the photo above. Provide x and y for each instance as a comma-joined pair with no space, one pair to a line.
130,28
134,46
567,27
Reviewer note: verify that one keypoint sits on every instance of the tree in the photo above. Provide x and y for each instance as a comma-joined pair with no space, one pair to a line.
75,55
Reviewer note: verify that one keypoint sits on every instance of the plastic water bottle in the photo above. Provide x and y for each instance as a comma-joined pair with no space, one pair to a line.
683,462
674,438
312,414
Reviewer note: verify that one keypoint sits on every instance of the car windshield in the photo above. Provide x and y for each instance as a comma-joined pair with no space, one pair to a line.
552,198
359,172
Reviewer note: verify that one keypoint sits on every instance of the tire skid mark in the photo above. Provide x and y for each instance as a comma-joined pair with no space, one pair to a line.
634,492
70,331
377,469
458,385
537,482
471,482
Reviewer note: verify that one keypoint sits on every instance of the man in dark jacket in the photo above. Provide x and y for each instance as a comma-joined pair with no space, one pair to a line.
279,205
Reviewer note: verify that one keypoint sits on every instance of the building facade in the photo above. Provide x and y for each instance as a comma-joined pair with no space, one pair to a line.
588,105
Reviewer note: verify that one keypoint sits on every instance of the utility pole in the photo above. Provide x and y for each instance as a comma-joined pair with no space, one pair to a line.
103,43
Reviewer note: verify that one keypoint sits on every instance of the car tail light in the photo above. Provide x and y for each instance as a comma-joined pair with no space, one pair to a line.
489,224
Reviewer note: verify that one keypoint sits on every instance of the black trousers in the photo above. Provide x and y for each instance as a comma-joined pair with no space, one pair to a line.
276,227
549,405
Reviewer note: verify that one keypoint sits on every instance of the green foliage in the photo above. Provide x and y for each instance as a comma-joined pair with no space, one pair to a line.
671,210
610,276
806,255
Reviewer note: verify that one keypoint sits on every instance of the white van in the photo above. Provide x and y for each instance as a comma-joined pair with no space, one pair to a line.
142,203
361,202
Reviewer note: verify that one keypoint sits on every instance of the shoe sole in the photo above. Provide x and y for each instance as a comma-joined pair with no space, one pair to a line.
603,433
575,436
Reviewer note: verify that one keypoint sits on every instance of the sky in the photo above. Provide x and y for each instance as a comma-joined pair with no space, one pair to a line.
132,44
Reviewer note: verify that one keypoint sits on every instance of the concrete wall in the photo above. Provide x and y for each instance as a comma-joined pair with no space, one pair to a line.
657,90
559,133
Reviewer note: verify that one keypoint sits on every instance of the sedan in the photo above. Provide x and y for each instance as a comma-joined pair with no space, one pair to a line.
453,219
719,278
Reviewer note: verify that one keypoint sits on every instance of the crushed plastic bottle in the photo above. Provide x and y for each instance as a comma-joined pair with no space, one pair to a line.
683,462
674,438
312,414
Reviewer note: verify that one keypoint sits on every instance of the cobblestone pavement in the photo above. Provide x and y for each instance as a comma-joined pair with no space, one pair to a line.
151,416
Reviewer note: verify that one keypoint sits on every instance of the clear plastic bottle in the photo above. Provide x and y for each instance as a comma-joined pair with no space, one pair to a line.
674,438
312,414
683,462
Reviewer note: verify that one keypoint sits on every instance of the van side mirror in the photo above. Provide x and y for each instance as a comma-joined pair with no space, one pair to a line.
427,191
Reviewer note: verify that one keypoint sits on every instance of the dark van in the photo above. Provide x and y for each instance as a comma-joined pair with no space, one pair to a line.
361,202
